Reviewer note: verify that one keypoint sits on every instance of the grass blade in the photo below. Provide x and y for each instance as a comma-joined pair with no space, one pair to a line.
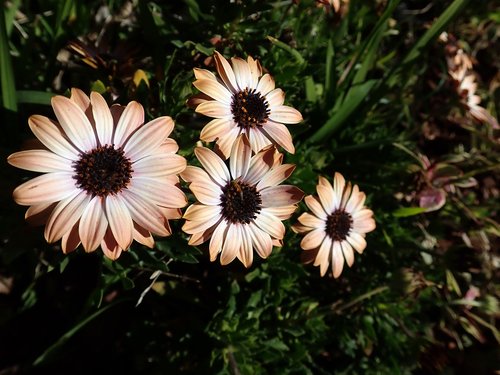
8,87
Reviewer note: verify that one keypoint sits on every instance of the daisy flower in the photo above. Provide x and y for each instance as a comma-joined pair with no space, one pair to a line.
242,100
239,208
109,178
337,225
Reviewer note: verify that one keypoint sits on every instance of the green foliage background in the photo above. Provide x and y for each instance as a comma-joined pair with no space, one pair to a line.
366,82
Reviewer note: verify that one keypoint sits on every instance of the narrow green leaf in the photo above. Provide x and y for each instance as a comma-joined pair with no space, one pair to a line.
34,97
11,8
408,211
330,74
292,51
6,72
63,12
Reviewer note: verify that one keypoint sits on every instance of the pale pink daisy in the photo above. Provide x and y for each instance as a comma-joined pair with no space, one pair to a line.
109,178
242,100
337,225
239,208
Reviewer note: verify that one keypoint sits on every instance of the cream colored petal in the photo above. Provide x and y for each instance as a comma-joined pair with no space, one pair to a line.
260,164
337,259
240,157
38,214
110,247
266,84
50,187
102,117
255,70
364,226
226,141
242,73
348,253
346,195
285,114
65,215
158,165
168,146
40,161
214,109
282,212
215,90
362,214
171,213
280,134
129,121
299,228
204,74
158,191
232,243
217,240
311,221
215,129
338,188
315,206
143,236
197,239
270,224
324,182
245,254
283,195
323,257
70,240
120,221
261,241
357,241
258,139
225,72
206,194
353,200
74,122
147,139
52,137
276,176
275,98
191,174
145,213
200,225
327,198
214,166
201,212
81,99
313,239
93,224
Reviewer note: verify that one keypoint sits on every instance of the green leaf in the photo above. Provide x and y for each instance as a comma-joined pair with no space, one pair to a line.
8,87
408,211
292,51
34,97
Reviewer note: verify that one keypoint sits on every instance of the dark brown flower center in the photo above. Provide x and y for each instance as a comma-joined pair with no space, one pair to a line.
102,171
240,202
338,225
249,108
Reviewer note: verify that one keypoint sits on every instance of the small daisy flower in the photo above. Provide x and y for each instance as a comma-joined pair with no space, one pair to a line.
239,208
242,100
109,178
337,225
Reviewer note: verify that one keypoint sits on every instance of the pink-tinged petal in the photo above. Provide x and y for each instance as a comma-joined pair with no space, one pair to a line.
255,70
311,221
299,228
196,226
225,72
116,112
214,109
240,157
200,212
232,243
242,73
129,121
168,146
145,213
315,206
102,117
217,240
215,129
40,161
323,257
275,98
245,254
282,212
195,100
226,141
171,213
110,247
338,188
214,166
285,114
357,241
364,226
260,164
353,200
280,134
191,174
143,236
270,224
337,259
324,182
363,214
204,74
313,239
70,240
39,214
261,241
276,242
348,253
81,99
258,139
346,195
158,191
266,84
206,194
283,195
50,187
120,221
197,239
65,215
146,140
52,137
215,90
75,123
327,198
93,224
158,165
276,176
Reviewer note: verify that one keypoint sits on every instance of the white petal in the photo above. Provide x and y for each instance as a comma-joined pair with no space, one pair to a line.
206,193
266,84
146,140
119,220
337,259
270,224
338,188
231,245
214,109
258,139
261,241
215,129
260,164
204,217
323,256
93,224
225,72
285,114
159,165
283,195
275,98
52,137
316,207
50,187
276,176
327,198
311,221
129,121
215,90
348,253
226,141
242,73
245,254
357,241
217,240
214,166
40,161
313,239
145,213
103,119
240,157
158,191
280,134
282,212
